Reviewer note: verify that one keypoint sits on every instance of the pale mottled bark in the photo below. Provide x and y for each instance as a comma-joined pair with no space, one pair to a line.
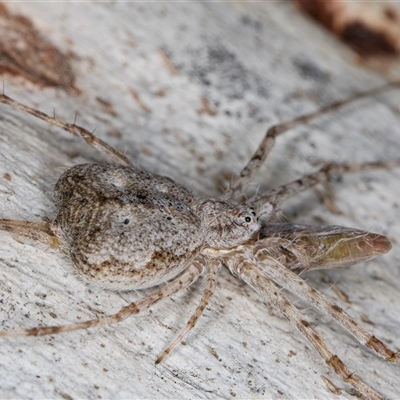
264,63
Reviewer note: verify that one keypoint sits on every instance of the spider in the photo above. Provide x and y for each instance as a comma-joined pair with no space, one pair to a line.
127,229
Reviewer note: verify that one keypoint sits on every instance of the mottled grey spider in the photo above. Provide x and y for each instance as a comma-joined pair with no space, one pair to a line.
126,229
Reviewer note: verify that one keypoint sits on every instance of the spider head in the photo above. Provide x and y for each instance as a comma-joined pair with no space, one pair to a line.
226,224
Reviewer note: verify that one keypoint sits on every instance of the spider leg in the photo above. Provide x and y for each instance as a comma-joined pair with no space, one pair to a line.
287,279
281,193
74,129
244,268
189,276
260,155
37,231
214,266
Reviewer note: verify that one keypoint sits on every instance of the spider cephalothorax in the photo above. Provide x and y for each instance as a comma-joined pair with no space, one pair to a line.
227,224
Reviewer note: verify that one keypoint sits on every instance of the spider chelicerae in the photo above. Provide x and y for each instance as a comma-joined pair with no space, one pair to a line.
127,229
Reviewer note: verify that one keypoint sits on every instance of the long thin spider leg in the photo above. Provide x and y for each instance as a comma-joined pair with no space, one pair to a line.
266,145
281,193
212,272
255,279
189,276
37,231
281,275
75,130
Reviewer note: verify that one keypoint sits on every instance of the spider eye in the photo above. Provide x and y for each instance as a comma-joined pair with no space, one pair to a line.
248,219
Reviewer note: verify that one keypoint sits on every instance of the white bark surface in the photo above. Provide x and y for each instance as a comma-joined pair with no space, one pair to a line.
257,64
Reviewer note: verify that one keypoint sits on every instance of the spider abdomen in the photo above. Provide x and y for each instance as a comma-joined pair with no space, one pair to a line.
125,228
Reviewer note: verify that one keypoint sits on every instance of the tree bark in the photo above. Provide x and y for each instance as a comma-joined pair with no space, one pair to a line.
188,90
